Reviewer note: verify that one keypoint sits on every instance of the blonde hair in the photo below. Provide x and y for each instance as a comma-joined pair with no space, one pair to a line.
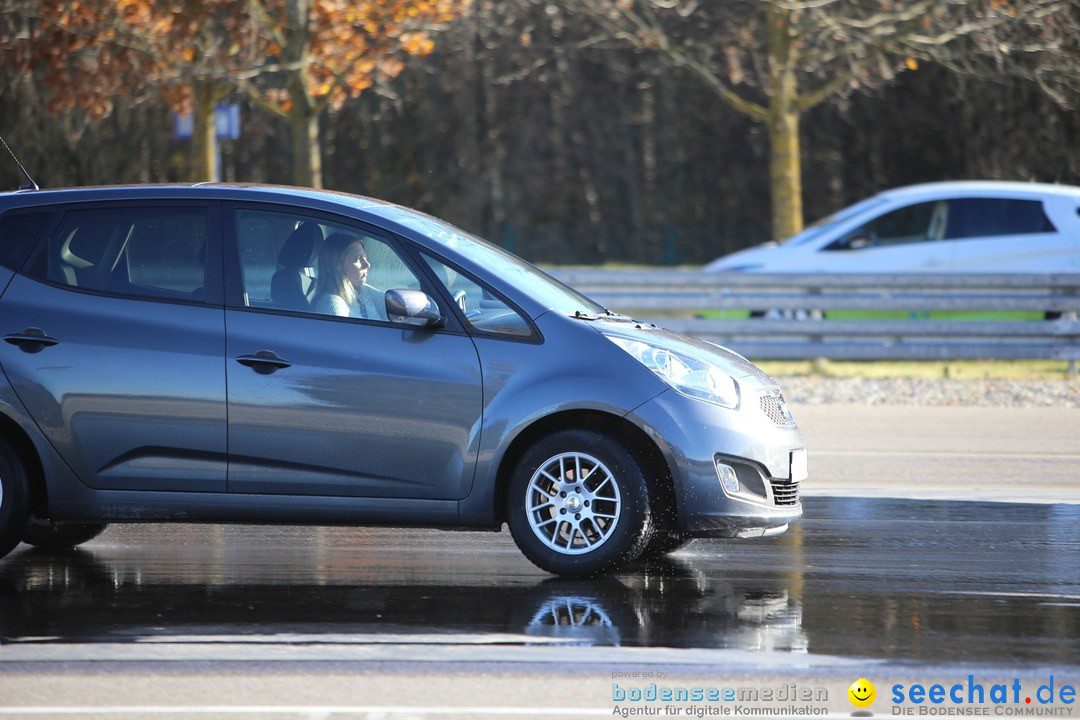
332,279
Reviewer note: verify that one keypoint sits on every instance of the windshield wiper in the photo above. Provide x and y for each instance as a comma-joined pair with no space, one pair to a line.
607,315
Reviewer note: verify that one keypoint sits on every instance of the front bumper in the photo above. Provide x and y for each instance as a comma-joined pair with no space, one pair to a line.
696,436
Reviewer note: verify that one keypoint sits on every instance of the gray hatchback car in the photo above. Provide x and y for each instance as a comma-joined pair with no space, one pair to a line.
172,353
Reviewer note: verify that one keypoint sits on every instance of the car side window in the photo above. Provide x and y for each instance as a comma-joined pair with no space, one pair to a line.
283,253
922,222
989,217
483,309
157,253
18,231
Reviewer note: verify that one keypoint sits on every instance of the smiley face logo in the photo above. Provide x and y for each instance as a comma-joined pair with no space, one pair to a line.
862,693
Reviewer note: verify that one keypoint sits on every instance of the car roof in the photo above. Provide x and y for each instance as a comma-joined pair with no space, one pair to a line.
979,187
204,190
386,214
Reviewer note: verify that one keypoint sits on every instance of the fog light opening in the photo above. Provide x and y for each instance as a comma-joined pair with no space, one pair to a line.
728,479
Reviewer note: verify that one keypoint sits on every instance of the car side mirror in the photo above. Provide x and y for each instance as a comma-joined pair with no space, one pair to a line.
413,307
855,241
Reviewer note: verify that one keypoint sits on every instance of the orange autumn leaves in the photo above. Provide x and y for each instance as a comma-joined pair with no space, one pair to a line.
88,52
355,44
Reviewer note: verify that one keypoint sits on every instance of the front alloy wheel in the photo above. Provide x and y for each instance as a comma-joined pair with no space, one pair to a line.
579,504
573,503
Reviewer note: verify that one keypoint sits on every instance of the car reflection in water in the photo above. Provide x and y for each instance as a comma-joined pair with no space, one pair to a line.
668,603
84,596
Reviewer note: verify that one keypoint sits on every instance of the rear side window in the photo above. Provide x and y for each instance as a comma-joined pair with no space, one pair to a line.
144,252
987,217
18,231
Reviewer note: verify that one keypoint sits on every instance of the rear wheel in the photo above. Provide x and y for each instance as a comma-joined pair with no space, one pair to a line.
51,536
579,504
14,498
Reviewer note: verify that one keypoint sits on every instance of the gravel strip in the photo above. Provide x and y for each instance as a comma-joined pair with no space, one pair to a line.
813,390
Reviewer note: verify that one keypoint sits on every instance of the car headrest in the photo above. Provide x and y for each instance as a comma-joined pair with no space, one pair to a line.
299,248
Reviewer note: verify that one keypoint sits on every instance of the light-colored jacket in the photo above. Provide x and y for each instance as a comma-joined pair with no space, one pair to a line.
370,304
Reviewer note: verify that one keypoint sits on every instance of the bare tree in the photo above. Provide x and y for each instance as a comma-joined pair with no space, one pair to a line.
1041,44
773,60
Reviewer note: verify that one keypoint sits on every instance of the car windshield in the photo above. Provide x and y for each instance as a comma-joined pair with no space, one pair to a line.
830,221
525,277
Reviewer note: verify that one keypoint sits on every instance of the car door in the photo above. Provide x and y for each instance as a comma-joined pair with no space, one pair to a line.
340,406
114,339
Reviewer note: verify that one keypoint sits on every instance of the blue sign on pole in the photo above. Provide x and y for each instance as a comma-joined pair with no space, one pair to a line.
226,123
183,126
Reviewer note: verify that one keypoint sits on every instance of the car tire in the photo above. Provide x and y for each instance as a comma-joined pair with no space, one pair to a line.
578,504
50,536
14,498
663,544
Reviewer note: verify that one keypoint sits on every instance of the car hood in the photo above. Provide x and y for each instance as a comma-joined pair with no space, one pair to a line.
753,259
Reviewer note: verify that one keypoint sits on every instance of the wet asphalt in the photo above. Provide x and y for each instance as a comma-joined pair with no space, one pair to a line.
907,580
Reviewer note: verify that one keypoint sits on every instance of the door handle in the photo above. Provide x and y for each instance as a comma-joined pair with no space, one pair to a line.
263,362
31,340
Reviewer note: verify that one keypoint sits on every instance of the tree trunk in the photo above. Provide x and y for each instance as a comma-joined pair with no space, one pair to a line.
206,96
785,168
492,146
307,159
785,174
303,115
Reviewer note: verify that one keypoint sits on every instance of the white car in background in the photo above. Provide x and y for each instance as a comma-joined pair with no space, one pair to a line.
970,226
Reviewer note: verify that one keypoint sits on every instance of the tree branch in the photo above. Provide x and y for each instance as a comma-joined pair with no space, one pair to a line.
816,97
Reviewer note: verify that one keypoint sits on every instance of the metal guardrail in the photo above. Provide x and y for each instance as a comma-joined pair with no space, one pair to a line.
682,300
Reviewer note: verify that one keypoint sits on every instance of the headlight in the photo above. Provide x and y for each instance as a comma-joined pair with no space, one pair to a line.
739,268
690,376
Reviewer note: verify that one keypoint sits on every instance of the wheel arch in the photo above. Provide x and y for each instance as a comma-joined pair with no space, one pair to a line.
637,441
16,436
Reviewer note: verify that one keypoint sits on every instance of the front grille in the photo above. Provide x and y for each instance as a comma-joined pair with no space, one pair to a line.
785,492
776,409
